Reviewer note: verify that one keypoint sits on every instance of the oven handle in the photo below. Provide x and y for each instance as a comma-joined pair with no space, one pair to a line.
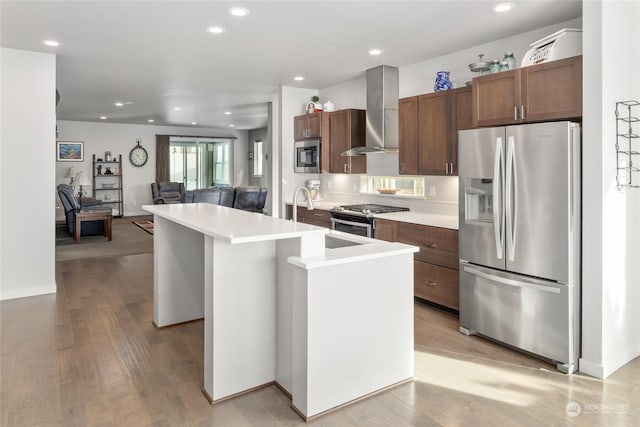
353,223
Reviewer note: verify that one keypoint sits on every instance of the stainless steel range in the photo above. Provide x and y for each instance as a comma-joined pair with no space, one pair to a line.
358,219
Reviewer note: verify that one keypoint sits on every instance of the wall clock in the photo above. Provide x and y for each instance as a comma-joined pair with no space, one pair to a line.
138,155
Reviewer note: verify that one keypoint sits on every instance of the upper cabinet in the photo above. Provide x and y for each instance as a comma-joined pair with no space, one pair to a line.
428,131
547,91
346,131
308,126
408,133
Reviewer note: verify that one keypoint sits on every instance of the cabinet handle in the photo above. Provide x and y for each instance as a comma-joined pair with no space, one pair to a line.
430,245
446,168
451,168
346,168
515,113
317,214
522,112
430,283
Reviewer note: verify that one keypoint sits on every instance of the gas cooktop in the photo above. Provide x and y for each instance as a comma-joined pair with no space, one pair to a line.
369,209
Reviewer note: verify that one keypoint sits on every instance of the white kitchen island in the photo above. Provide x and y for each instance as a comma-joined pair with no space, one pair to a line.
327,319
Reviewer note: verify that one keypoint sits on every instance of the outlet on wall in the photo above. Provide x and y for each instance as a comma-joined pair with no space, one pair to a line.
432,191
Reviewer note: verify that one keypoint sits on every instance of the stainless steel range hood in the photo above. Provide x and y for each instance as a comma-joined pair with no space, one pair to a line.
382,112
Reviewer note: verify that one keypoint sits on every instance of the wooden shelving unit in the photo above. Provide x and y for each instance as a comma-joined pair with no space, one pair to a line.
107,187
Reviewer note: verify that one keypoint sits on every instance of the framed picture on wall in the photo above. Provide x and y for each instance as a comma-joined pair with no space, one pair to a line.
70,151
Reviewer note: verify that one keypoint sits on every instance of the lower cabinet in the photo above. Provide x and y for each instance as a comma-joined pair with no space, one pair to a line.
318,217
437,284
435,265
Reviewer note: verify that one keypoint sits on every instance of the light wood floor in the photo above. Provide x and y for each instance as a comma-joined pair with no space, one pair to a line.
89,356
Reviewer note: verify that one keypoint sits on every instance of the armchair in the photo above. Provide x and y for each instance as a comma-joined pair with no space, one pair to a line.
72,207
164,192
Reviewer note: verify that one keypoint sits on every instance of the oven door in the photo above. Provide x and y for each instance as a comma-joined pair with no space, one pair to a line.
353,227
307,156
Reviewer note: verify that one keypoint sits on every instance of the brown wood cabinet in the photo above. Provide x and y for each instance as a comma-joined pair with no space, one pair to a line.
428,131
435,265
384,229
346,131
308,126
319,217
547,91
408,133
437,245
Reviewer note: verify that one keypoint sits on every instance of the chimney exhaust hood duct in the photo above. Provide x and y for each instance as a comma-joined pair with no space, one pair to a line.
382,112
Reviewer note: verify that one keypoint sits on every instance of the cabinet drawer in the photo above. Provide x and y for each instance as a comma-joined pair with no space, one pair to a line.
436,284
437,245
318,215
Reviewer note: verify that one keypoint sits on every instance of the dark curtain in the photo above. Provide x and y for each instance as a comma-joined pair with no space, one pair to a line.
162,158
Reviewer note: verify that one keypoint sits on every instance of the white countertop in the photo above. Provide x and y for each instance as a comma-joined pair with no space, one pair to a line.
422,218
414,217
232,225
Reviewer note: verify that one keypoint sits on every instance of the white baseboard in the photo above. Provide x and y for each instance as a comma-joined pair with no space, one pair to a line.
590,368
27,292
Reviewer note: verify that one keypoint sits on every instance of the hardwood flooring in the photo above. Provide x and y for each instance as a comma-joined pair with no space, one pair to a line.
89,356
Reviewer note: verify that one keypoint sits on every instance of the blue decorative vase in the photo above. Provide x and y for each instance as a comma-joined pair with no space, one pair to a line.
442,81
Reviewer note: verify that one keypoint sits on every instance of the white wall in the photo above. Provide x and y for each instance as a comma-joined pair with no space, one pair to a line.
611,235
27,175
418,79
120,138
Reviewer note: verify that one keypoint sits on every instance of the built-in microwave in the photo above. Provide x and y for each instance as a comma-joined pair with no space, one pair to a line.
307,156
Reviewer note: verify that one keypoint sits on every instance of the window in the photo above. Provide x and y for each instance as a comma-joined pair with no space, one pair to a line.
257,158
392,185
200,162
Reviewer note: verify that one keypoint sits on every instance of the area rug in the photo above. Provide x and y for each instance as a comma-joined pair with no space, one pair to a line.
145,225
125,241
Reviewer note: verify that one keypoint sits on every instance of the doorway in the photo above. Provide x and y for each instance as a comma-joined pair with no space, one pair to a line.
200,162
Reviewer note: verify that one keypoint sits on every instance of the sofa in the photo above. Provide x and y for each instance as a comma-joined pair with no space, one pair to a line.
250,199
72,206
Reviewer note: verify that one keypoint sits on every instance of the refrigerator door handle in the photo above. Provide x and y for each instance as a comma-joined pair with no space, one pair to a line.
510,282
511,198
498,184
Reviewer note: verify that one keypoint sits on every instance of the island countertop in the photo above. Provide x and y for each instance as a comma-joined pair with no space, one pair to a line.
232,225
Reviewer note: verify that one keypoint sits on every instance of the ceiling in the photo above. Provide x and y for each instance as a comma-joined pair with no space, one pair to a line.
156,56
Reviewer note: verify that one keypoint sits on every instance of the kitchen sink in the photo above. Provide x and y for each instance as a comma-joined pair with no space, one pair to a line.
333,242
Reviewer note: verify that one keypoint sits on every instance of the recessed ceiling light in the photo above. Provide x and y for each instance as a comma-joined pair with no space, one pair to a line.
214,29
503,7
51,43
119,104
298,78
151,120
103,118
239,11
177,108
194,123
232,125
375,52
226,113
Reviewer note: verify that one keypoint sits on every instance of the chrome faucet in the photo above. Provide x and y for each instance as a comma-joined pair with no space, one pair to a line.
295,202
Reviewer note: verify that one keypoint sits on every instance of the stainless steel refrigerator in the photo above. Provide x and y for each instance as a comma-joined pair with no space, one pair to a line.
519,238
